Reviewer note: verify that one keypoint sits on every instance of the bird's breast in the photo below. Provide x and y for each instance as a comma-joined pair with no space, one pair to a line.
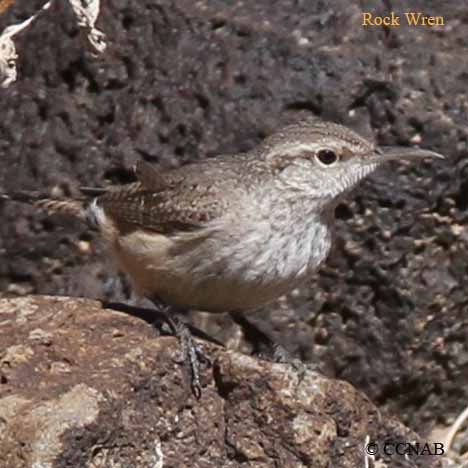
245,267
283,253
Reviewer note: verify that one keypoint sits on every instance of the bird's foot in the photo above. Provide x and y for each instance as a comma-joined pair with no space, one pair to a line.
282,356
192,356
190,352
269,350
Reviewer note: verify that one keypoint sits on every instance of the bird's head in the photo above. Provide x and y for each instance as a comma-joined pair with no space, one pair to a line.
324,160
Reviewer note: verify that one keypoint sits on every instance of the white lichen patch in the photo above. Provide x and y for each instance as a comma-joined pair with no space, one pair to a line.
87,12
15,355
21,307
10,406
110,456
304,429
8,54
75,409
135,354
158,458
60,367
249,447
40,336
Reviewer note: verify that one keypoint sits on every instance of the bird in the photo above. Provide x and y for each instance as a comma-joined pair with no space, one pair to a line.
232,233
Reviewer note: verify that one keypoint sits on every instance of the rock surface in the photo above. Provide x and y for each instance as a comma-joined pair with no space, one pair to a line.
85,386
185,79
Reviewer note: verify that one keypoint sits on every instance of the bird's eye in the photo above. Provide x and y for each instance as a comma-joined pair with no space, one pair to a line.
326,157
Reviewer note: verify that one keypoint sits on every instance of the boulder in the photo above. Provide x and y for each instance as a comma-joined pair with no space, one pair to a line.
83,385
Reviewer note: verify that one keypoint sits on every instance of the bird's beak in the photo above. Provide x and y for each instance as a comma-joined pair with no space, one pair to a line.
391,153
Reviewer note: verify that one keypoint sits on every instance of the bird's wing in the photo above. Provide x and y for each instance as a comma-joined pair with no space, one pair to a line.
150,178
178,200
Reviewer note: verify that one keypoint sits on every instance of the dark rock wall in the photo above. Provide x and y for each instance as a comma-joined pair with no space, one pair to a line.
187,79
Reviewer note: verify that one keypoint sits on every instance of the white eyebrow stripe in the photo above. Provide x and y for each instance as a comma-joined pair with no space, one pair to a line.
298,148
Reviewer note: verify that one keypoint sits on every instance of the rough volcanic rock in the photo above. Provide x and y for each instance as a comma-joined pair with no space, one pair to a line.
85,386
185,79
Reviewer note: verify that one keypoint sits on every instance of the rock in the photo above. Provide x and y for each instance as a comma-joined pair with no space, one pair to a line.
86,386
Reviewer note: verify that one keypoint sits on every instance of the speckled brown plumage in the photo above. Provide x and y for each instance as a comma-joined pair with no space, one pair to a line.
182,199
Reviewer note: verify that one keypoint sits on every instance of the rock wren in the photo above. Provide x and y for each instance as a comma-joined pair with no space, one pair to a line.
232,233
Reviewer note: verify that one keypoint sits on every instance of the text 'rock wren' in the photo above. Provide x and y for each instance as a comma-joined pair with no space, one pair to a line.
232,233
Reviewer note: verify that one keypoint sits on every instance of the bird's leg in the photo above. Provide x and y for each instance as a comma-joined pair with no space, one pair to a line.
175,318
265,347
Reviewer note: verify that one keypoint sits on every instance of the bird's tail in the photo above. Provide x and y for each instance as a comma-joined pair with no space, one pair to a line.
73,207
70,207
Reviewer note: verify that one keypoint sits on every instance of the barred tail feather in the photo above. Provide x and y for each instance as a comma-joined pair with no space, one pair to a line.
71,207
77,208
